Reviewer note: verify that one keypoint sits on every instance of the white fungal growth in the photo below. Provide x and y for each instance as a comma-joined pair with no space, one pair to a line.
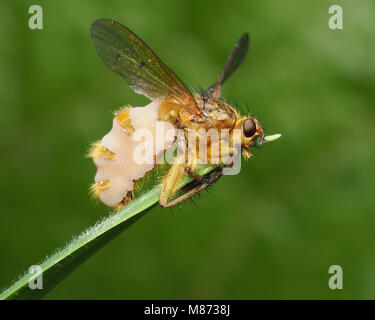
124,169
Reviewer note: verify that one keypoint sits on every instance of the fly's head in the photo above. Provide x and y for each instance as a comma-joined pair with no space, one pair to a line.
251,132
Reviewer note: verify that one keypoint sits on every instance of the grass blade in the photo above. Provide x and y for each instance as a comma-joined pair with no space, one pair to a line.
58,266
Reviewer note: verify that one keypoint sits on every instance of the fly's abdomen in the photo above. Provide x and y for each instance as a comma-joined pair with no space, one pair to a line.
128,152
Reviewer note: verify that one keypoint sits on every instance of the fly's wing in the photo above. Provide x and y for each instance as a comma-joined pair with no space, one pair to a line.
126,54
234,60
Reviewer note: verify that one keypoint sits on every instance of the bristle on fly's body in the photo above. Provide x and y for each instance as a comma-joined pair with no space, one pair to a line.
97,150
98,187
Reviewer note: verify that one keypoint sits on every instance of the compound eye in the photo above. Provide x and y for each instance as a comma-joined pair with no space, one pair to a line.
249,127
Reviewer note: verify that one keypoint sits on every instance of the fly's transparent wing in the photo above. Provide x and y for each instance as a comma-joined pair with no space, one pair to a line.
234,60
126,54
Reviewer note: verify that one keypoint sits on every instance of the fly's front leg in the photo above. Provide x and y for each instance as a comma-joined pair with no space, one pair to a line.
208,180
194,175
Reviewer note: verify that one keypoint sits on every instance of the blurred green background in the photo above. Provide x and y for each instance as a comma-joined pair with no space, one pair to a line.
300,205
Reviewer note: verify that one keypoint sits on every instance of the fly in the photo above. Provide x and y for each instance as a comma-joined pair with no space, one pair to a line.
185,118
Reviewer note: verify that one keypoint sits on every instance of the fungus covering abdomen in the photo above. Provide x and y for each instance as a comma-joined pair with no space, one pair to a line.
133,152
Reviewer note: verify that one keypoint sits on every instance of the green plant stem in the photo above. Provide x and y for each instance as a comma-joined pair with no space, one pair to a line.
58,266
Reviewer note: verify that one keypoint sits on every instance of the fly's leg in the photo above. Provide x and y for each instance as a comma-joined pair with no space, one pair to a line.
203,182
194,175
170,183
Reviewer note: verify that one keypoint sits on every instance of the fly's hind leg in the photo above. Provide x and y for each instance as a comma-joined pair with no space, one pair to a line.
199,183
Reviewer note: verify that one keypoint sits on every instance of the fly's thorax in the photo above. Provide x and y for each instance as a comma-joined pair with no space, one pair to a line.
210,139
216,114
216,109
